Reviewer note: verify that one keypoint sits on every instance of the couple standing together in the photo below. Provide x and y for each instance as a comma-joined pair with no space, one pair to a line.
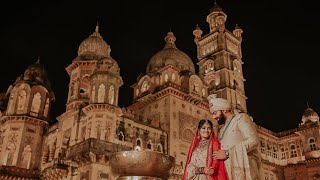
230,155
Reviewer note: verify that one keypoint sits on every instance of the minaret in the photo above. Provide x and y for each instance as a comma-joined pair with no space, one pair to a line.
25,119
220,63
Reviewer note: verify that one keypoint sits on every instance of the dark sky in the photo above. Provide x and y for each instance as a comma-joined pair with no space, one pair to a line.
280,45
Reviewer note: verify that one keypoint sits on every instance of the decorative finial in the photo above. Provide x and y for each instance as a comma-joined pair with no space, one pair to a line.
38,60
96,32
97,27
170,39
308,105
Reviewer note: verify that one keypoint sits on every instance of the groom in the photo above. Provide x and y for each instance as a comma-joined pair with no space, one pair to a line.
239,141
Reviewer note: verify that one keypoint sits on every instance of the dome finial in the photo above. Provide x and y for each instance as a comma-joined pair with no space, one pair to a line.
170,39
97,27
96,31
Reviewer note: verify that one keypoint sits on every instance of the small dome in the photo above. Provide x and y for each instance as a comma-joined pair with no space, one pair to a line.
309,112
94,47
170,55
309,115
35,72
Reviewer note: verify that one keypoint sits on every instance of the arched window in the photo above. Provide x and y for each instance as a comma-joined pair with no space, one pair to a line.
312,145
101,93
166,77
36,102
138,145
121,136
203,92
208,67
196,87
293,151
21,101
111,95
159,148
93,93
149,145
46,108
173,77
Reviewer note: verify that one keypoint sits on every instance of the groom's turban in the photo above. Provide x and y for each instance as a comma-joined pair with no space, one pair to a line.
217,104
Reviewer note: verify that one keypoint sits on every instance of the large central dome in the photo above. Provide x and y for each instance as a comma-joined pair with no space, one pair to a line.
170,55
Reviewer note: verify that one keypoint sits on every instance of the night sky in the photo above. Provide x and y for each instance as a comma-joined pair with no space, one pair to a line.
280,46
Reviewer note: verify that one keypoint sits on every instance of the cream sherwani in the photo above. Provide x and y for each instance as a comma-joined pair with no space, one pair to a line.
240,138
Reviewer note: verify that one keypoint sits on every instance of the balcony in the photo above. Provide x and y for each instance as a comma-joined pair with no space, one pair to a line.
312,154
94,146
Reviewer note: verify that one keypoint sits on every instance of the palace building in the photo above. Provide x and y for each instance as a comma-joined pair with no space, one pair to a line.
168,101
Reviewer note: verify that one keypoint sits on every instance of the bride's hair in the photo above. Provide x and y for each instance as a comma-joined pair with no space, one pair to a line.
203,121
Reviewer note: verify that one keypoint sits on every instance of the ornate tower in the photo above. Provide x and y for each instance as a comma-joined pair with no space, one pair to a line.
25,119
91,50
105,82
220,63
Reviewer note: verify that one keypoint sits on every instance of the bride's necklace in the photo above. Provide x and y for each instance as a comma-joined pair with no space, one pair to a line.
203,143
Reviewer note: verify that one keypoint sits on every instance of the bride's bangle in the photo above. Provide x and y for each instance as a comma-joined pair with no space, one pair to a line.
200,170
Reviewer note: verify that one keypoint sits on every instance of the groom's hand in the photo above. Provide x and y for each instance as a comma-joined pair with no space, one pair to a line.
219,155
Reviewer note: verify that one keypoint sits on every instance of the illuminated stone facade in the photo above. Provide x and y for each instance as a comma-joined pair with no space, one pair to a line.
168,102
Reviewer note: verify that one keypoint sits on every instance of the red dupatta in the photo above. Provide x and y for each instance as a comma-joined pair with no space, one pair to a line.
218,165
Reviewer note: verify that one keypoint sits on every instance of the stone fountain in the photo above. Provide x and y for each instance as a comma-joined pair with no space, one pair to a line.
141,165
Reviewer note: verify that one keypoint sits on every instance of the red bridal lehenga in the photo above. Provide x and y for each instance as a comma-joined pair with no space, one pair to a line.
200,155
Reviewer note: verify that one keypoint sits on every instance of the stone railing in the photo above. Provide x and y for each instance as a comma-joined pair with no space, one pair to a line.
95,146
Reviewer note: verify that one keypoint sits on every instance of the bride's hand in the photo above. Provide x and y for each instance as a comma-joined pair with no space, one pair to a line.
208,170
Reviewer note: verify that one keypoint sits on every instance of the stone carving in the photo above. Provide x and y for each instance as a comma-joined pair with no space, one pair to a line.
26,157
13,138
11,148
128,113
232,47
103,176
28,139
186,121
